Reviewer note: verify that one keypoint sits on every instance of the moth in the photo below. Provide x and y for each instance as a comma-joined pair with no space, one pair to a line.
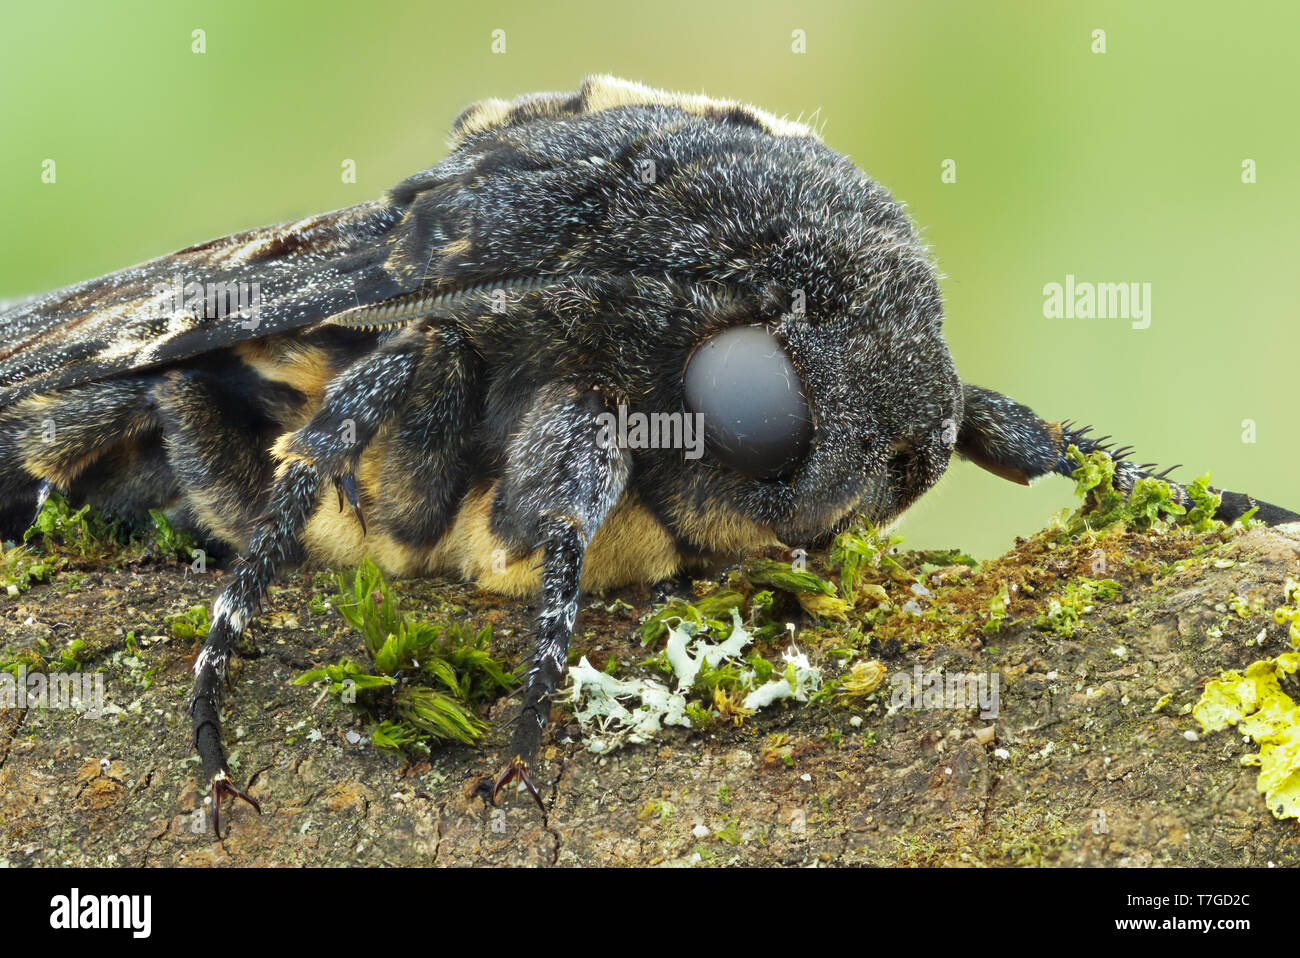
428,379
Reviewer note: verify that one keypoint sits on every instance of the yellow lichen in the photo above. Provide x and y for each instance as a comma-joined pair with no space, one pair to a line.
1253,700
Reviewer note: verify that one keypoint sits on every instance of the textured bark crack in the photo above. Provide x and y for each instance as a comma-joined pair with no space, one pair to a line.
437,848
561,757
148,848
8,739
252,780
994,781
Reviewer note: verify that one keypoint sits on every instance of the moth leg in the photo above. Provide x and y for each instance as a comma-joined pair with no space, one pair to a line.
49,441
431,449
1011,441
128,481
560,484
346,485
216,430
356,404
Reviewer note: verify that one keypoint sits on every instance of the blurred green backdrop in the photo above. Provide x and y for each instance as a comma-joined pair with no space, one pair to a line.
1117,167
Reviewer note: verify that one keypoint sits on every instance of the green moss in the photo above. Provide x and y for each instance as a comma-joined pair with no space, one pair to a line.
74,657
1205,504
399,737
657,808
701,716
718,689
997,614
1076,600
729,832
914,851
71,658
62,538
946,557
712,612
891,601
1150,505
192,625
163,540
57,535
81,532
728,676
426,680
782,575
818,596
20,568
858,550
1026,842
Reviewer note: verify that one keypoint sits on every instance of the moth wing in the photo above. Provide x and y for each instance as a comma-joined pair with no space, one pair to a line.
305,271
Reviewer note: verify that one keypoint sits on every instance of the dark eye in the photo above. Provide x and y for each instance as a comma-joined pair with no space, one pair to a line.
756,420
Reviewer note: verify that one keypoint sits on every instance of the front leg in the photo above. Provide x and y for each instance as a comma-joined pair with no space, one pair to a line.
562,480
561,572
365,395
1010,440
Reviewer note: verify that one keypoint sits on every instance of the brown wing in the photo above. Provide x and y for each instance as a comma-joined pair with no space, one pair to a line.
181,305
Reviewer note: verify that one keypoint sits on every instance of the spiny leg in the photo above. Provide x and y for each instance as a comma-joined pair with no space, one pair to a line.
276,541
564,546
429,452
560,484
355,405
1010,440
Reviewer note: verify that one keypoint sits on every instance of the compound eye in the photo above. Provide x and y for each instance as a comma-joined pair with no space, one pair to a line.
756,419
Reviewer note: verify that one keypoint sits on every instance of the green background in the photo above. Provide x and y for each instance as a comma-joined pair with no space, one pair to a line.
1116,167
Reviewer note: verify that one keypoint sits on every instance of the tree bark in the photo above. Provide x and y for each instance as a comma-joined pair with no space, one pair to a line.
1082,768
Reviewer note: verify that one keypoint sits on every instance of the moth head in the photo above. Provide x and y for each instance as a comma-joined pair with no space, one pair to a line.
810,422
767,285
